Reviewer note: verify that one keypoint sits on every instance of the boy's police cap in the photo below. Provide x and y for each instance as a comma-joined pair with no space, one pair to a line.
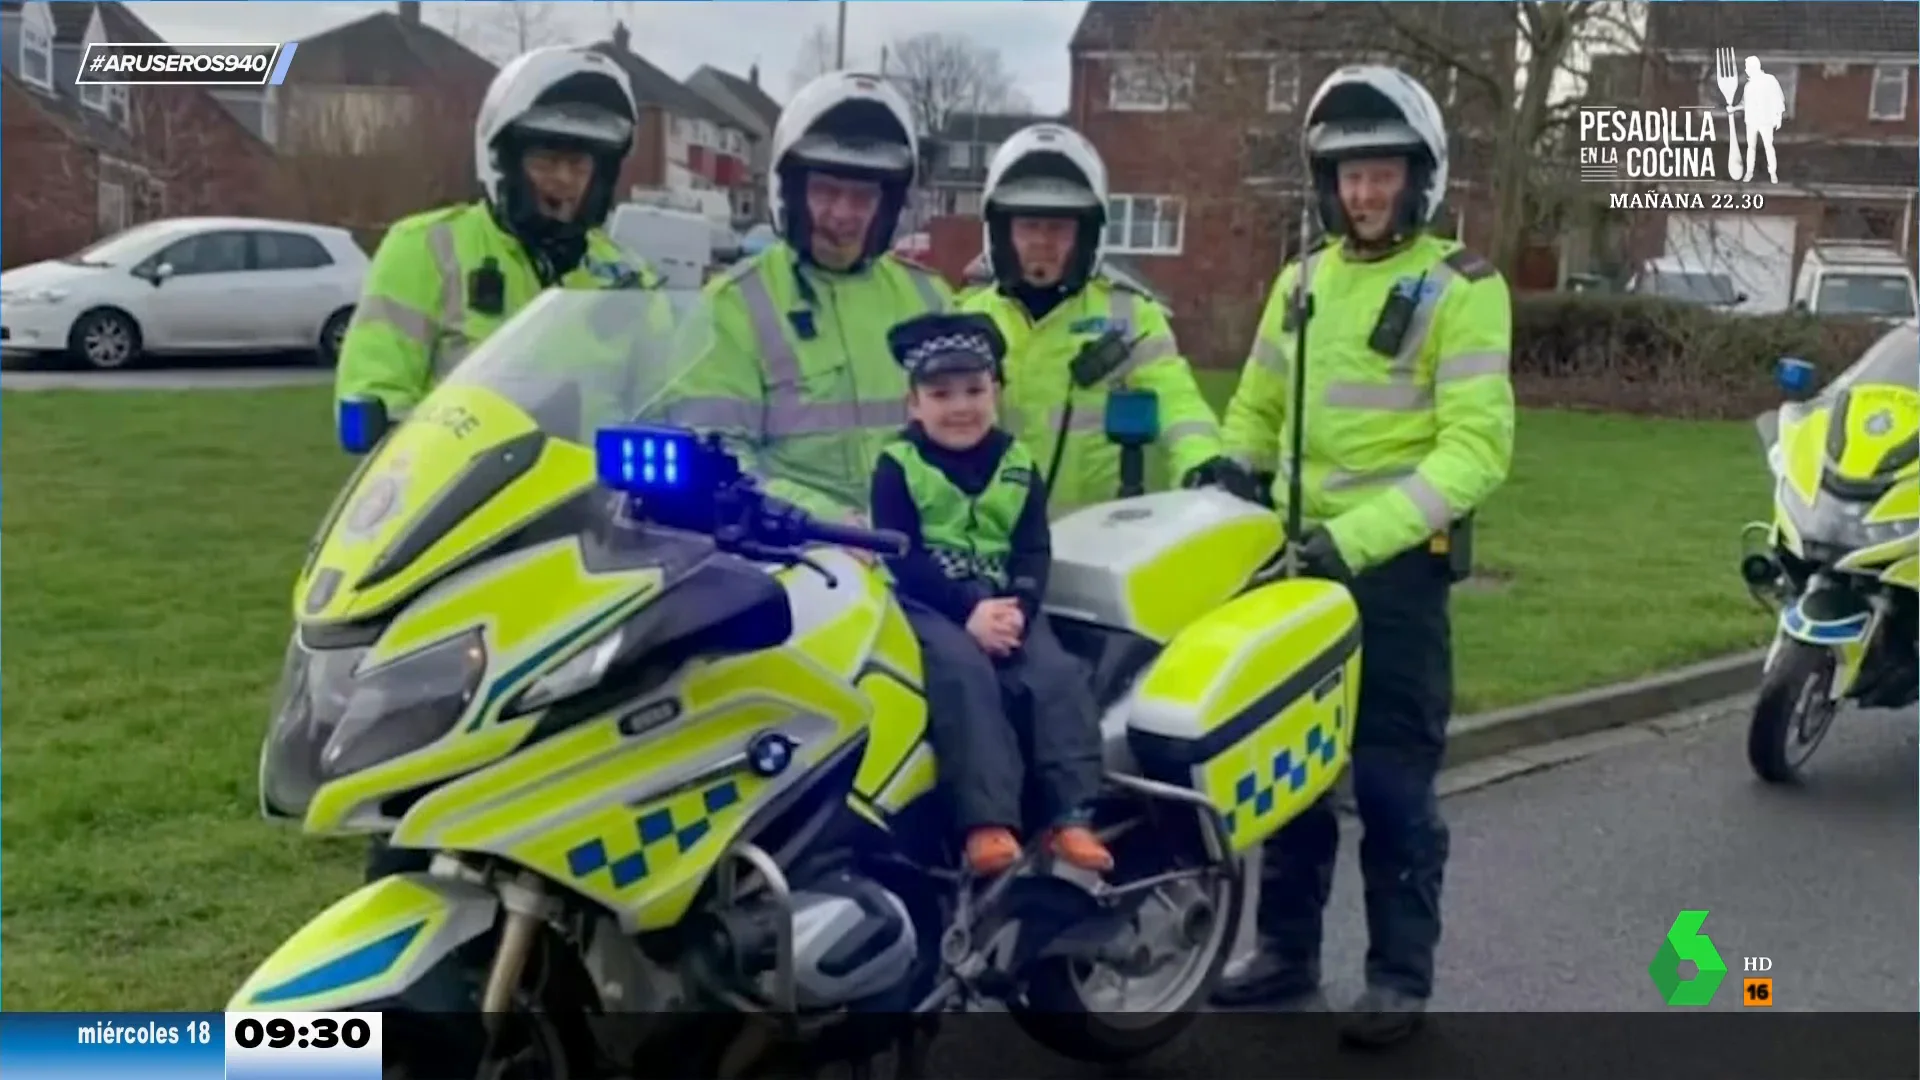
946,343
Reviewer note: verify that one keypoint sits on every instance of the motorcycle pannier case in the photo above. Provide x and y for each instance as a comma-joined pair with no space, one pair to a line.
1252,705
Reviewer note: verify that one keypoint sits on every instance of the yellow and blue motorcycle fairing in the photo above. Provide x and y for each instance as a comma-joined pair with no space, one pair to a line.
1852,459
372,945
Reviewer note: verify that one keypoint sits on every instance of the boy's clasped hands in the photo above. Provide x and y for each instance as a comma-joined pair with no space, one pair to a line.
998,625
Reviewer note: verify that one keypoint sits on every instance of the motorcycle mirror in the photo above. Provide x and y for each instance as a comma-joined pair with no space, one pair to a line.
360,423
1794,376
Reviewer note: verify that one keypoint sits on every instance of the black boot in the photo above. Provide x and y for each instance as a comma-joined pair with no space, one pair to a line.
1381,1018
1272,984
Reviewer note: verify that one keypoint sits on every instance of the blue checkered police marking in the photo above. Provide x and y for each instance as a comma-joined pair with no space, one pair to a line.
1253,794
655,827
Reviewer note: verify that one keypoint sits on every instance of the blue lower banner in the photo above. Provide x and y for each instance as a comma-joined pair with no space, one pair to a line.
190,1046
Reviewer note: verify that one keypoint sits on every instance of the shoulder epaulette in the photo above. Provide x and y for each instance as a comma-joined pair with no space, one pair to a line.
428,218
1470,265
738,270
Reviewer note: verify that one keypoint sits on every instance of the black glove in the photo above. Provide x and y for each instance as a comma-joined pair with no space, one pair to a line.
1321,559
1227,475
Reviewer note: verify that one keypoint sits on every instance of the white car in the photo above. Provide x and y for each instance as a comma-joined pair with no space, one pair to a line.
187,285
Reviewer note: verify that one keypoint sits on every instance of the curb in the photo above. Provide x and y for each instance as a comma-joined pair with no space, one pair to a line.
1485,735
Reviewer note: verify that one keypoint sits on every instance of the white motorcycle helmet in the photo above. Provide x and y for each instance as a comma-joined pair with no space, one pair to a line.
565,96
1374,111
844,124
1045,170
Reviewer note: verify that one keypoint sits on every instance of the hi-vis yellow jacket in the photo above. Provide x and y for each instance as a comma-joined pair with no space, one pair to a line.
1396,447
799,379
419,315
1039,382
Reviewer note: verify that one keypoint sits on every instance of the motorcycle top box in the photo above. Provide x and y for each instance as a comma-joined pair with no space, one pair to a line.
659,740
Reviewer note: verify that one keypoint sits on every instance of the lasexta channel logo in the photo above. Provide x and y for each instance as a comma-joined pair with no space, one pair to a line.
1684,941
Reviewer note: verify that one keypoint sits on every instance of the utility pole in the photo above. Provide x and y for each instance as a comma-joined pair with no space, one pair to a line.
840,39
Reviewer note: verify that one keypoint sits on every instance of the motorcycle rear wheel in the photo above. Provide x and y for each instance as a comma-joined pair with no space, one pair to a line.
1793,714
1061,1013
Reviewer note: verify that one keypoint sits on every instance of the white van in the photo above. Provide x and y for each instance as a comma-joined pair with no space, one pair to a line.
678,244
1855,279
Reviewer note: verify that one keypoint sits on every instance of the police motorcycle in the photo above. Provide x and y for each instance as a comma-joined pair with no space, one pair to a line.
666,740
1840,560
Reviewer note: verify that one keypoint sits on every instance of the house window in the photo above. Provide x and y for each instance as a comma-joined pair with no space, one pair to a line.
1283,86
1138,84
117,104
1145,224
111,203
36,53
959,155
1889,98
93,96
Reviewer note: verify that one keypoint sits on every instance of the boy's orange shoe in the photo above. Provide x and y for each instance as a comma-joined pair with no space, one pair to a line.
1079,847
992,850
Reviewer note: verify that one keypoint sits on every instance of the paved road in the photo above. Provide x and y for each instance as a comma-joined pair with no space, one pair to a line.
212,375
1561,887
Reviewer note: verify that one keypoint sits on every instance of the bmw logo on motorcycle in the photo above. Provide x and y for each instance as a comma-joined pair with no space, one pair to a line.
769,753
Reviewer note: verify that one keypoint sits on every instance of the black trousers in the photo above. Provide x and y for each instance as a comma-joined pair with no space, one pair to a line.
1400,737
980,711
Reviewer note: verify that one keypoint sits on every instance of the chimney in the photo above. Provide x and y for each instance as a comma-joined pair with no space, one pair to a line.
620,36
410,13
753,74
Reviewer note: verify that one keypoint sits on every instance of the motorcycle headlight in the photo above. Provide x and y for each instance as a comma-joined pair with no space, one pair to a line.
332,720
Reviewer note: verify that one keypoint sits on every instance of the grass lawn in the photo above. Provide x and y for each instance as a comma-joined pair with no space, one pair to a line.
150,546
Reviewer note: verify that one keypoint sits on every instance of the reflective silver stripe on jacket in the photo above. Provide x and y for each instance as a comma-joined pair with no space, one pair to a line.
786,411
923,284
1402,392
451,346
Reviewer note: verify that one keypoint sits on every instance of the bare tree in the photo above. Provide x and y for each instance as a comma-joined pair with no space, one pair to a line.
815,57
942,74
503,31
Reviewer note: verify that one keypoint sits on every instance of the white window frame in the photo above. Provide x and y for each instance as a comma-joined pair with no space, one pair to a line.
1283,86
101,202
1120,215
1904,74
31,32
118,107
1173,75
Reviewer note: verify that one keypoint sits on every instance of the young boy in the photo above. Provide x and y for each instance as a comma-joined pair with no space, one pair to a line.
971,501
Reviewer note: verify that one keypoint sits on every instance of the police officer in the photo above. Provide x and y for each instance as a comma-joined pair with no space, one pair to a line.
799,379
1408,426
1045,207
552,131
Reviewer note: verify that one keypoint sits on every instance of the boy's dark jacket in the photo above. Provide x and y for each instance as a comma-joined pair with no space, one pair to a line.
917,574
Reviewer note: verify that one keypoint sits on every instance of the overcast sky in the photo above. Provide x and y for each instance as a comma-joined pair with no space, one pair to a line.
679,37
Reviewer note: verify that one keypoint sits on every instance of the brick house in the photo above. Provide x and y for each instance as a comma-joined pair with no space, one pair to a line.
958,155
82,162
375,120
747,103
1849,161
684,145
1196,109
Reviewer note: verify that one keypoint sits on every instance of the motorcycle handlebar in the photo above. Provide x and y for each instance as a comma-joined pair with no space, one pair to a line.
878,541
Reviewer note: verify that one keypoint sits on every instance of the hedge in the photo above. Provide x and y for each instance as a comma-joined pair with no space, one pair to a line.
1632,354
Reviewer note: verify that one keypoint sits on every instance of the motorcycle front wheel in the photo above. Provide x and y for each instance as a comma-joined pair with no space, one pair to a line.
1794,712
